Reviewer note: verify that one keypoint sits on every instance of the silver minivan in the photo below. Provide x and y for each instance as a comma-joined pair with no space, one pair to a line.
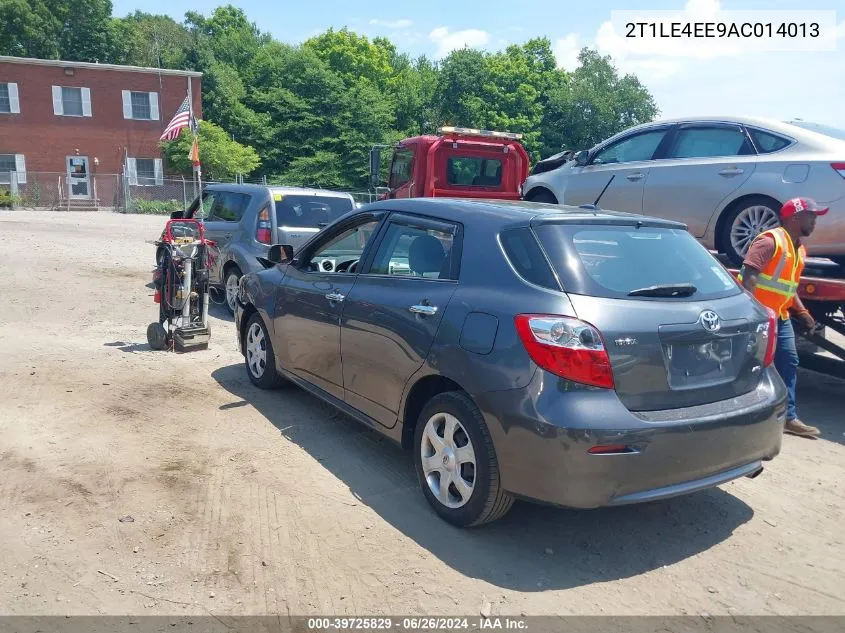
245,220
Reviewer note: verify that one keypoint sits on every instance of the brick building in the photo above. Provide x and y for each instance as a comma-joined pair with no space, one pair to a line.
78,128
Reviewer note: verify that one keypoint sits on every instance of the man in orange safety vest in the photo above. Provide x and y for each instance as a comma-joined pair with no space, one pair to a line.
771,271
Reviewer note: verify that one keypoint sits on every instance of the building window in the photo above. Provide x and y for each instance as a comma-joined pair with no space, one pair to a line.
12,163
9,102
71,101
142,106
146,168
145,172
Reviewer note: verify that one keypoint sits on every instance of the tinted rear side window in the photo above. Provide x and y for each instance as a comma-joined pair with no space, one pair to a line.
767,142
611,261
310,211
525,256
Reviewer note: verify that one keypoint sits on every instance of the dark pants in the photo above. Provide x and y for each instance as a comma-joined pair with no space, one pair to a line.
786,362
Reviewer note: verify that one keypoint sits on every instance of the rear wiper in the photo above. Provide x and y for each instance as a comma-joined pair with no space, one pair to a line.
665,290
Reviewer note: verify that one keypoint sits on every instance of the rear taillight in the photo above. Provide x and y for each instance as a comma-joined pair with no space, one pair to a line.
263,233
840,168
770,335
566,347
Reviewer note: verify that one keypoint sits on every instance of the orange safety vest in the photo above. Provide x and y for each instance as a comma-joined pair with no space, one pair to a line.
777,283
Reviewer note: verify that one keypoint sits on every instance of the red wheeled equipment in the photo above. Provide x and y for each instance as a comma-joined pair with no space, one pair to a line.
182,288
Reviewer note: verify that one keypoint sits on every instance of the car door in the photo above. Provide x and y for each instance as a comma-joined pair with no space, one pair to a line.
391,315
310,300
401,182
622,166
703,163
223,215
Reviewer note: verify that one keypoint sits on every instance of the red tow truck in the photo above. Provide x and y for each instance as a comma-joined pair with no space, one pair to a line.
456,163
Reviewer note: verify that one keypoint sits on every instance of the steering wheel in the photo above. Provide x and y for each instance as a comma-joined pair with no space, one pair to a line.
347,266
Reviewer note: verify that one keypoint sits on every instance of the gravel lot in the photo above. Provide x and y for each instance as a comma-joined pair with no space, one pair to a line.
245,502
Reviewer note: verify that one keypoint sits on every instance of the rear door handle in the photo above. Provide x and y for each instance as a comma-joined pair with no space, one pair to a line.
335,296
732,171
426,310
635,177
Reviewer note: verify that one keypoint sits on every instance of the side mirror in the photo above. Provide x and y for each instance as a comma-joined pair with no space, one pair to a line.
582,157
280,253
277,254
375,167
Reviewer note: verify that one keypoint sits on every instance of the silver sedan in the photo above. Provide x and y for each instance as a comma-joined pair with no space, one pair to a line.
724,177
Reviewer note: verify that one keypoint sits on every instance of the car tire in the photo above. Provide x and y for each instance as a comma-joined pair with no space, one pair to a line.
259,358
230,287
744,222
458,424
542,195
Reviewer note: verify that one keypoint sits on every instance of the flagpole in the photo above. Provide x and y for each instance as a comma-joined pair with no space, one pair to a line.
197,168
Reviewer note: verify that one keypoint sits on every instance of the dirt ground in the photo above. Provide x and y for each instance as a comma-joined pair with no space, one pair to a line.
245,502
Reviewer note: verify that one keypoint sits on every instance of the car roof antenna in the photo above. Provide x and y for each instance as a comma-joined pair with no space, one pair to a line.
595,205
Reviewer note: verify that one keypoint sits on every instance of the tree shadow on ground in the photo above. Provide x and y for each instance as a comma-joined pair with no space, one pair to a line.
534,547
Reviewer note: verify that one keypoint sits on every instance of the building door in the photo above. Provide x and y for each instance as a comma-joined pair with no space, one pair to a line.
78,178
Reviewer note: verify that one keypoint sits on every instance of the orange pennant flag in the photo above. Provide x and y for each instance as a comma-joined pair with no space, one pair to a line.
195,153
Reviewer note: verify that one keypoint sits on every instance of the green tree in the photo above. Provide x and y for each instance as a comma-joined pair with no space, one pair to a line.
593,105
59,29
28,28
354,57
154,41
221,157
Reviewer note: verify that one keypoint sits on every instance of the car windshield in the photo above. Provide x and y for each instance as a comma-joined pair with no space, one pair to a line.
629,261
827,130
310,211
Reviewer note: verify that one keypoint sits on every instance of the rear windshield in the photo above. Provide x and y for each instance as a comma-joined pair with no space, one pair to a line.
310,211
612,261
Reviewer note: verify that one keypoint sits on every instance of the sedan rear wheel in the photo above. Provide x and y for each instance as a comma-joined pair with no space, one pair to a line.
456,462
745,224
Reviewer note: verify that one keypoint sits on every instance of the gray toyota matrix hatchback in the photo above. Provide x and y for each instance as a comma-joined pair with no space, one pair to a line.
572,356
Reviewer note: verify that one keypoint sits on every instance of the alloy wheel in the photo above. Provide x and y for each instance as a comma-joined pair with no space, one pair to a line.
448,460
749,223
256,350
232,281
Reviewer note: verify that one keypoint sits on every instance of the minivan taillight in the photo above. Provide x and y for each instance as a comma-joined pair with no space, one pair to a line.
772,338
567,347
840,168
263,233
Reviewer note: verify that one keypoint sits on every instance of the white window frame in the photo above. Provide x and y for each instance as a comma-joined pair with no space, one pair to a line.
127,105
20,168
14,98
132,171
59,106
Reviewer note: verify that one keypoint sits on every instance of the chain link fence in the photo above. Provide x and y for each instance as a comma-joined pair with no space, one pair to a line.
115,192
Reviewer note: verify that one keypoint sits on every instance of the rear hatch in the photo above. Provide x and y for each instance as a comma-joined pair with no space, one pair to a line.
678,330
299,216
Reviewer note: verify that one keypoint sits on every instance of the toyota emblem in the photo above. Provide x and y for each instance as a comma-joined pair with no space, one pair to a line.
710,321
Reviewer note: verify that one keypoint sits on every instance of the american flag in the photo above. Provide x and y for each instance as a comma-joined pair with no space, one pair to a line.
182,119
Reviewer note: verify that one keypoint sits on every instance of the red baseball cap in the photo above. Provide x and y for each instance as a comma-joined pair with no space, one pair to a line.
796,205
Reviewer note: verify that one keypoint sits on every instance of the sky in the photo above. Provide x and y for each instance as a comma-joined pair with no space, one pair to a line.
749,77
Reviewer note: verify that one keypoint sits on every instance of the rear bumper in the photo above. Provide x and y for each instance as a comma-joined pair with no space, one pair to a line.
542,435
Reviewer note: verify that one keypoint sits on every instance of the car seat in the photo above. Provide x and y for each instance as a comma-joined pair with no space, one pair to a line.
426,255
